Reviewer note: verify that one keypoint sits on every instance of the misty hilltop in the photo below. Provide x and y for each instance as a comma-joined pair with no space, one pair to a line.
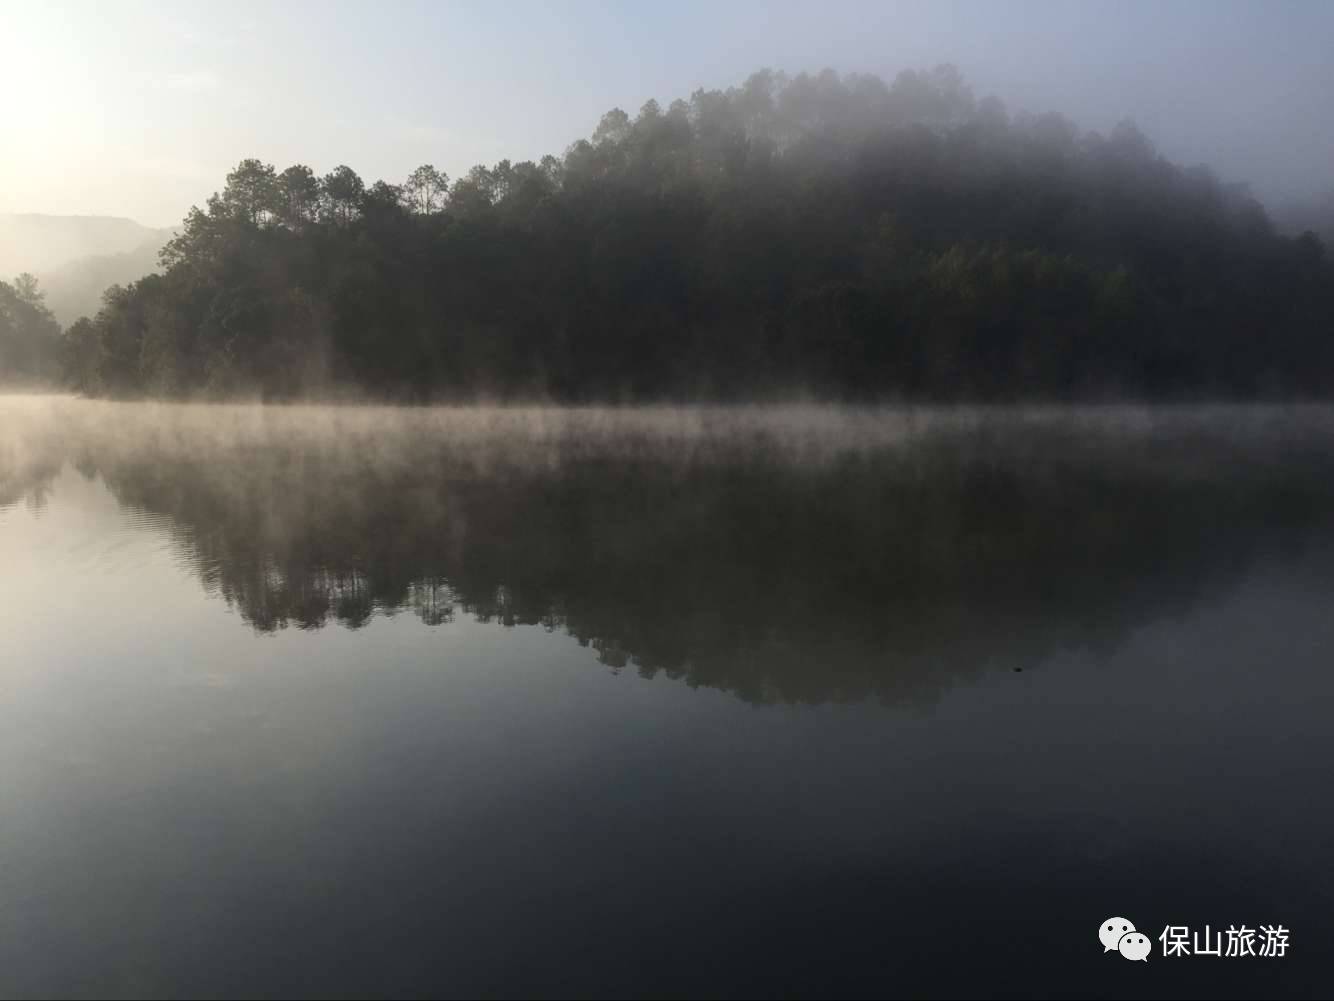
834,234
45,243
75,289
77,258
1315,213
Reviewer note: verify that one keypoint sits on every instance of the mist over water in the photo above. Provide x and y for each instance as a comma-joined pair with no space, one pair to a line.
734,700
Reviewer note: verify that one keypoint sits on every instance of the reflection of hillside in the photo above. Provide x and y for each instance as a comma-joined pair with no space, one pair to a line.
885,571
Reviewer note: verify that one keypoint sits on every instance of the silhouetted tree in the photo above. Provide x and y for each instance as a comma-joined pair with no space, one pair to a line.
342,190
252,192
425,190
298,195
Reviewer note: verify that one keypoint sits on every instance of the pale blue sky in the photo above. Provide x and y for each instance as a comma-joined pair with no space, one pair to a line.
139,109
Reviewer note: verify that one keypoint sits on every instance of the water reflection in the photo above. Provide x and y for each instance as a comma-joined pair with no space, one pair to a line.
306,799
783,558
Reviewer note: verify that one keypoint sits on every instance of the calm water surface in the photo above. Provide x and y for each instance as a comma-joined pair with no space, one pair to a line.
719,702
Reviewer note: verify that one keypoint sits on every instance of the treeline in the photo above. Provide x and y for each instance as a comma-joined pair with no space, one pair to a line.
826,233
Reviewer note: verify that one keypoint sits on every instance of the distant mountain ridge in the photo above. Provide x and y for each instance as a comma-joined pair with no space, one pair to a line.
75,289
35,242
76,258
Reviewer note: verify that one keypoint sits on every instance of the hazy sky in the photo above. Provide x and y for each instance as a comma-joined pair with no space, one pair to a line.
139,109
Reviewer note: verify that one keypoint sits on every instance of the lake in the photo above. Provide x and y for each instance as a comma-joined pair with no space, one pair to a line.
798,701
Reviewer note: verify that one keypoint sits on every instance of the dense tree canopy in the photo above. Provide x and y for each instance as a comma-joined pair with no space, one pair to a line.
830,234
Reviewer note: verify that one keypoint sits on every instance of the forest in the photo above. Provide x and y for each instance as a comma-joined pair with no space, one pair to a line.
825,235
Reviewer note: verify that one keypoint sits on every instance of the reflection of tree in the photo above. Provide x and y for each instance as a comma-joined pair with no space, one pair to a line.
886,572
30,483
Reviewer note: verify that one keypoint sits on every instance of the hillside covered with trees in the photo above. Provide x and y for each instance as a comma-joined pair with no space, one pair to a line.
828,234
